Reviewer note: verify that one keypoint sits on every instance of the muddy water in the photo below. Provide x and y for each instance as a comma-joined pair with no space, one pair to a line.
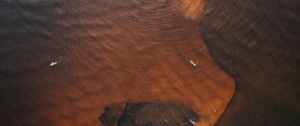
63,61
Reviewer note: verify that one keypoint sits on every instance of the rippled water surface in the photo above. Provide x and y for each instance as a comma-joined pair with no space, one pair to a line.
63,61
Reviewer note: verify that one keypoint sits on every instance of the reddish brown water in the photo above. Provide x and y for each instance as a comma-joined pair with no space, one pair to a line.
104,52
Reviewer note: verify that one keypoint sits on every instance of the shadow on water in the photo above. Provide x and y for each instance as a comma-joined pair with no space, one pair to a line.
257,43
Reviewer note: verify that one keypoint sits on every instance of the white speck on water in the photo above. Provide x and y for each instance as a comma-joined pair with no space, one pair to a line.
193,63
166,120
192,122
53,63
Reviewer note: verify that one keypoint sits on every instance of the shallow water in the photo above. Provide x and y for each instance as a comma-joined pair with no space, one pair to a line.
63,61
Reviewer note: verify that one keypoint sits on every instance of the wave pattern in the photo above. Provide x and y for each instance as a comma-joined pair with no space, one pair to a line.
106,51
